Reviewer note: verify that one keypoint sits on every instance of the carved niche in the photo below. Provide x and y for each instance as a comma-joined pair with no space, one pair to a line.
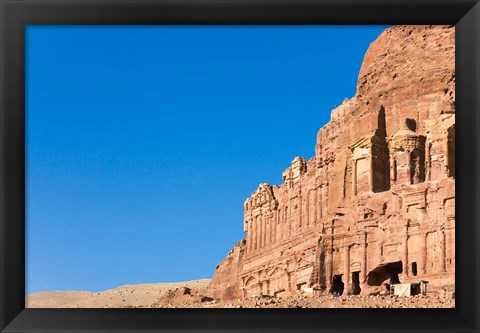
407,155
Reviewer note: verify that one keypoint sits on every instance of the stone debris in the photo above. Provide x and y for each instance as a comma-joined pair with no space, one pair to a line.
303,301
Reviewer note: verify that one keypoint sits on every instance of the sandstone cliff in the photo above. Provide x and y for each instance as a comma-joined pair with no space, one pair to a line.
376,203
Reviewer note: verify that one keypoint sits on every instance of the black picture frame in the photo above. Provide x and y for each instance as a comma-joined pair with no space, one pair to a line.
17,14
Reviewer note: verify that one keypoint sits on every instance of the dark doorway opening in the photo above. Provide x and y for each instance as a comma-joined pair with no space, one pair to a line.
414,268
356,283
337,285
383,272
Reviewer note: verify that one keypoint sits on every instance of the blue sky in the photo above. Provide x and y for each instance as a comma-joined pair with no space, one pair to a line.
143,142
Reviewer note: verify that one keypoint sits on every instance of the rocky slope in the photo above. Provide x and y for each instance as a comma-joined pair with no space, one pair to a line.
138,295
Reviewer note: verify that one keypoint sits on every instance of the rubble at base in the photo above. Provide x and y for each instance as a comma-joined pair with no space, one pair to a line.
327,301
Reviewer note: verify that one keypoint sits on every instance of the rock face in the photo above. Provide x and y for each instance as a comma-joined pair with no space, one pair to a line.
376,204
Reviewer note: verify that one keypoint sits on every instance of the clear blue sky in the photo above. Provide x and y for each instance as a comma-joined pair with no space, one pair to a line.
144,142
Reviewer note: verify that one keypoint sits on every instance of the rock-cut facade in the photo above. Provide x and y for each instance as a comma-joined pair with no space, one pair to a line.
376,204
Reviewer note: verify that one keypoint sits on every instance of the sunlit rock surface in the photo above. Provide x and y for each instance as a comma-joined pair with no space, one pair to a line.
376,204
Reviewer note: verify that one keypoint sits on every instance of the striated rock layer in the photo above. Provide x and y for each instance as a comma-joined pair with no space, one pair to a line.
376,204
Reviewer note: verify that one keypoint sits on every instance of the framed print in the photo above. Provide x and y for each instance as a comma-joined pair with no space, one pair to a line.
298,156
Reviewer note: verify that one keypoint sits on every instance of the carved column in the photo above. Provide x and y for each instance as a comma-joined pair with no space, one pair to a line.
249,236
266,237
264,223
288,221
370,172
293,217
252,232
260,231
325,200
427,162
363,273
328,266
307,207
423,253
279,230
257,233
405,255
299,211
271,225
319,203
274,226
409,166
267,229
354,177
281,226
442,266
346,264
277,225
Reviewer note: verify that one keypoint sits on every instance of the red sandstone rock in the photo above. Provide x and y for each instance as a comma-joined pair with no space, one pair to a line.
376,204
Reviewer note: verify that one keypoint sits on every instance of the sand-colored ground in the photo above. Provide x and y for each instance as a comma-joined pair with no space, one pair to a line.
193,294
327,301
139,295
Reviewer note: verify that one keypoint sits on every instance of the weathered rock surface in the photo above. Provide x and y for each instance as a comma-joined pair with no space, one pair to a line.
376,204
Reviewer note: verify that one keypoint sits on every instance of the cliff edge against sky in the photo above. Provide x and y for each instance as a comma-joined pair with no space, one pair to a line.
376,204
